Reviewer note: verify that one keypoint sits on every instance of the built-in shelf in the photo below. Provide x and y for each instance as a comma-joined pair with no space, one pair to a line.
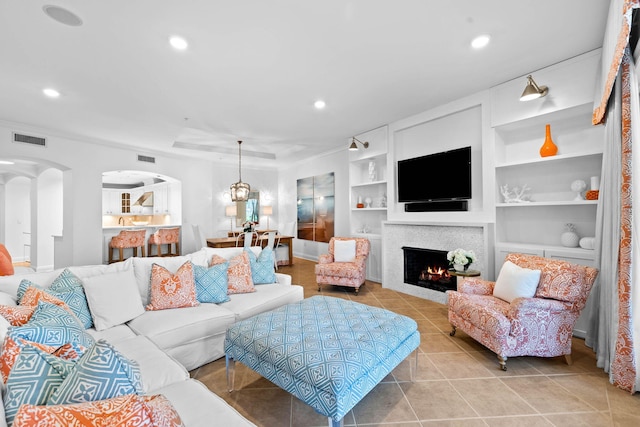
549,203
551,159
368,177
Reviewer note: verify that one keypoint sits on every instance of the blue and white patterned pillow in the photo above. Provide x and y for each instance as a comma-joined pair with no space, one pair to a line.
33,379
67,287
211,283
51,325
101,373
262,267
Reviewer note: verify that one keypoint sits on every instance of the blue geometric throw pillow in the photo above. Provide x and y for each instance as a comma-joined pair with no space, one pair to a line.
67,287
101,373
51,325
211,283
262,267
33,379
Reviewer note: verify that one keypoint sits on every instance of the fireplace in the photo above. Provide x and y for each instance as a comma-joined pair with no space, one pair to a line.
428,268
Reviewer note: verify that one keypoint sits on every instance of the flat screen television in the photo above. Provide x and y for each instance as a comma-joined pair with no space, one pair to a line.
435,177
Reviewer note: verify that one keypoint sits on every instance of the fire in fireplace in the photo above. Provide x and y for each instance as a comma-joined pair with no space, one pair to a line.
427,268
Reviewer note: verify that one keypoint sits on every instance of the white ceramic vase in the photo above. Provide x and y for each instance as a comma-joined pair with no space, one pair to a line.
458,267
570,239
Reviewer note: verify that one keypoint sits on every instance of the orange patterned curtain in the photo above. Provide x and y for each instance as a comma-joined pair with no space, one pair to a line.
624,365
615,41
615,340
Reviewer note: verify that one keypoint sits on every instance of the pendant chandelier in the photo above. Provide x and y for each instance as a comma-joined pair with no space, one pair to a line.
240,190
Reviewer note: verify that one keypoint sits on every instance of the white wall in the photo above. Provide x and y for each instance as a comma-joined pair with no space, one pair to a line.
17,217
465,122
203,184
336,162
49,214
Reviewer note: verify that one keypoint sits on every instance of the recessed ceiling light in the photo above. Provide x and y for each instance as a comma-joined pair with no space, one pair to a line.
62,15
319,104
178,42
480,41
6,162
51,93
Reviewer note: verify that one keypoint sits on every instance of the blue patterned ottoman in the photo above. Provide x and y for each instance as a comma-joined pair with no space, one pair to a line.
326,351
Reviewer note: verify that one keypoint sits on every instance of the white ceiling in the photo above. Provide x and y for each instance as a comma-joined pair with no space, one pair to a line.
254,68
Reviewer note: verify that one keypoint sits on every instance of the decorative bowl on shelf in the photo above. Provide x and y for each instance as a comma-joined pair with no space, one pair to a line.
139,222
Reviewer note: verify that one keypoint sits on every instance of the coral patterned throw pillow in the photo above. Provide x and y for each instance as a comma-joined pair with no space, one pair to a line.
239,272
172,290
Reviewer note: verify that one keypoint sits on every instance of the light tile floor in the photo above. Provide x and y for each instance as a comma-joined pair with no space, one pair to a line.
458,383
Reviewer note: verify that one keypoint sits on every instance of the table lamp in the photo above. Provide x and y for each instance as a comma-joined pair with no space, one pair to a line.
267,211
231,211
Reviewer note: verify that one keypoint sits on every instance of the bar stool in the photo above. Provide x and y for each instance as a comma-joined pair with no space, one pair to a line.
127,239
165,236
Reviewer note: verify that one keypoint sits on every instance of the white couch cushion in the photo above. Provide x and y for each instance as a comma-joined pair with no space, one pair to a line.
176,326
9,284
113,298
266,297
157,368
199,407
112,335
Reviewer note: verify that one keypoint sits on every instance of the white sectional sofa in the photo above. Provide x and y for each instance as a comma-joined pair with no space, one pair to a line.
167,344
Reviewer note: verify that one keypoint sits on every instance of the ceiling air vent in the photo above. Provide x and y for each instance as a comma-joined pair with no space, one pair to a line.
147,159
28,139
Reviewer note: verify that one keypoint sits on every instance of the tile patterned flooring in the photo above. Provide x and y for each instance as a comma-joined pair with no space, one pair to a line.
458,383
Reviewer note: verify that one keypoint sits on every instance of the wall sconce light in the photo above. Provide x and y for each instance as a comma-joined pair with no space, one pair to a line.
354,146
267,211
231,211
533,91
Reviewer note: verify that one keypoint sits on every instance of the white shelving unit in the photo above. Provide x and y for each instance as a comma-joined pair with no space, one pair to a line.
552,204
367,221
535,227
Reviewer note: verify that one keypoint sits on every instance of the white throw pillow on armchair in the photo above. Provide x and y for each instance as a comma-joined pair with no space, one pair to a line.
344,250
514,282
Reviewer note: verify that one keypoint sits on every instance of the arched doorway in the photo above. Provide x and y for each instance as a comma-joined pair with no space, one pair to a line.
138,199
31,210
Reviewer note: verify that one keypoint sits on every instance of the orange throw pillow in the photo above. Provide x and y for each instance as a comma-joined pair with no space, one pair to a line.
6,264
239,273
17,315
128,410
32,295
172,290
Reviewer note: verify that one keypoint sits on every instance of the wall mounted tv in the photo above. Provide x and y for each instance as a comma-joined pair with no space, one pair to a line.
435,177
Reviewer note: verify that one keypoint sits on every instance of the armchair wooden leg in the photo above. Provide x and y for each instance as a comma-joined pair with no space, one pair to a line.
453,331
503,362
568,358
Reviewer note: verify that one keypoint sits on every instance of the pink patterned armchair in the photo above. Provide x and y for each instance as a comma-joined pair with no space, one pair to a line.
127,239
345,271
540,326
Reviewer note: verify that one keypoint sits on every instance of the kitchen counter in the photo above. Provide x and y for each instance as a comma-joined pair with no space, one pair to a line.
133,227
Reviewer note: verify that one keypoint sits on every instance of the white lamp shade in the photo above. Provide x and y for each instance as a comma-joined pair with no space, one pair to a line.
267,210
231,210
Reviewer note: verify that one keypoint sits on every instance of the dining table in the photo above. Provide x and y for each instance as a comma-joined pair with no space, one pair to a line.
231,242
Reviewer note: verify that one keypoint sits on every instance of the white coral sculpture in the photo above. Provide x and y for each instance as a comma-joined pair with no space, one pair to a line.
517,195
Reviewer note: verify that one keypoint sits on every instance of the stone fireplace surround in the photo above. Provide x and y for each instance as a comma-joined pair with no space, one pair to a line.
441,236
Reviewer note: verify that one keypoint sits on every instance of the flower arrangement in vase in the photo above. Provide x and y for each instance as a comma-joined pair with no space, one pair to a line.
461,259
249,226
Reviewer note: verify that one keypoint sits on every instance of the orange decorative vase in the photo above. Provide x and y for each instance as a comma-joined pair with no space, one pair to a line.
548,148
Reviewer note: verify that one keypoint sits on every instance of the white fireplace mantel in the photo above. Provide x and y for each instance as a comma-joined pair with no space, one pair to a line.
445,236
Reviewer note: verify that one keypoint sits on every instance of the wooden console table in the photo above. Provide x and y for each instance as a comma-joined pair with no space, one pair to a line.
230,242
